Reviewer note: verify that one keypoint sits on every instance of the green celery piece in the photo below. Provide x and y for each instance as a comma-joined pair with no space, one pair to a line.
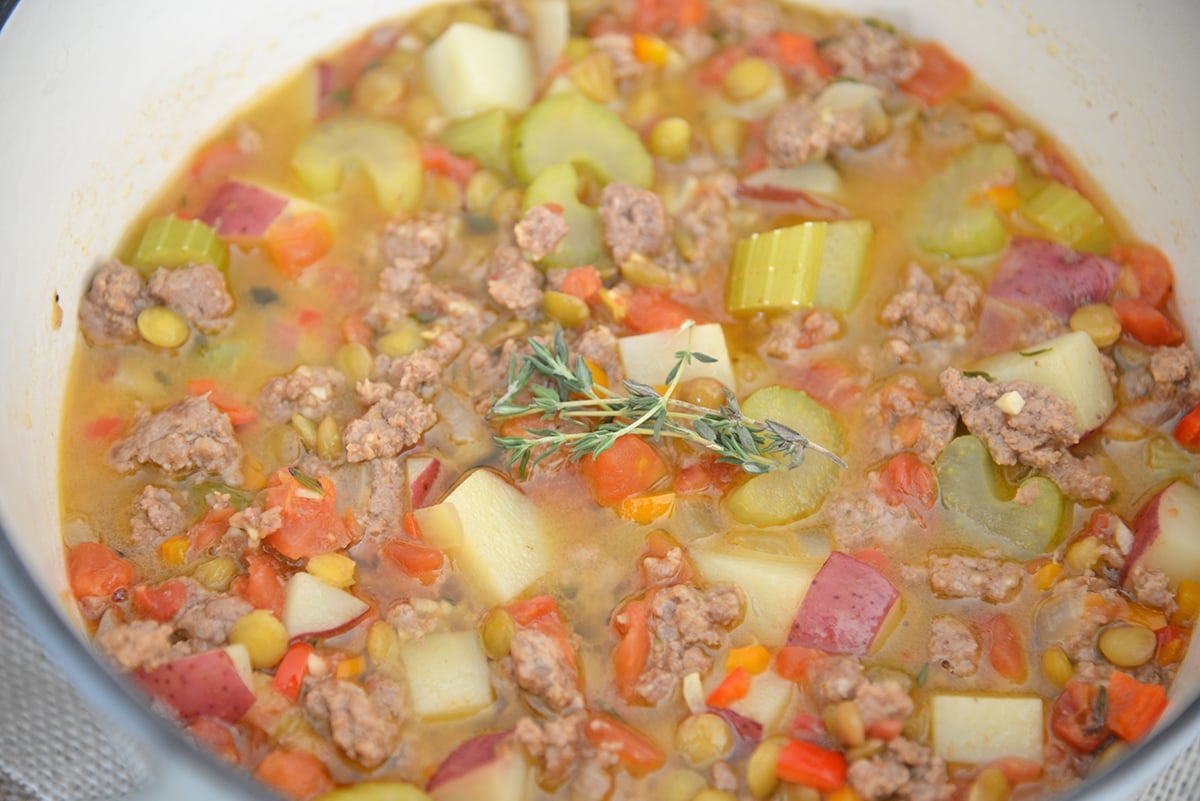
777,270
1068,217
843,264
171,242
980,506
582,245
390,157
956,219
484,137
568,127
782,496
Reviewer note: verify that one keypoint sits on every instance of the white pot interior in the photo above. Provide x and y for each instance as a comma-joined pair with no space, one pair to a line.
104,101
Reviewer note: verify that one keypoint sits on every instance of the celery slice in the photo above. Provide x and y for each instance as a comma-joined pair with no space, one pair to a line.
982,509
772,499
582,245
957,220
843,264
570,128
1068,217
172,242
384,150
777,269
484,137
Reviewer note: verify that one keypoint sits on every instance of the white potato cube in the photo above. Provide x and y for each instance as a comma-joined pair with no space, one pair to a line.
772,584
769,697
977,729
648,358
471,69
447,675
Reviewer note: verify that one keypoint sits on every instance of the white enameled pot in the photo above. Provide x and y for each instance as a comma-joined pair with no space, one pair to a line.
100,102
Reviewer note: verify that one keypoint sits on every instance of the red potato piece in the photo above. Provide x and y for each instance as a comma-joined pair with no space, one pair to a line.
206,685
312,607
467,757
1052,276
747,730
1166,534
422,472
486,766
239,210
845,607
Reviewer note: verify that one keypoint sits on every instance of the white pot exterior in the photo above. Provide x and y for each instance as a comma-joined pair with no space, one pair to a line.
102,102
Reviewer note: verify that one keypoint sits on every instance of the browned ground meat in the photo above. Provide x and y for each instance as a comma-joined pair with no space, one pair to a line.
410,246
542,670
703,226
385,507
683,621
862,520
663,569
835,679
417,617
1038,436
140,644
796,332
1168,384
619,49
982,577
906,419
598,345
258,520
1150,587
748,19
197,291
953,646
188,436
389,426
925,310
108,312
307,390
883,701
557,743
725,777
421,371
904,770
797,133
868,52
540,230
206,617
514,283
361,726
157,515
634,222
512,15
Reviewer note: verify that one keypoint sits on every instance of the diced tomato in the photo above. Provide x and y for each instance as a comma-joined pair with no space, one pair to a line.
311,524
1004,647
875,558
790,49
101,429
583,283
294,243
658,544
306,318
636,752
1172,644
260,586
712,73
1017,770
940,77
732,688
208,529
631,653
1076,717
651,310
822,769
792,661
439,159
708,473
96,571
356,331
289,676
160,602
1145,323
542,614
807,727
422,562
1133,706
668,16
216,739
629,467
907,481
294,774
239,414
1187,430
1152,269
830,383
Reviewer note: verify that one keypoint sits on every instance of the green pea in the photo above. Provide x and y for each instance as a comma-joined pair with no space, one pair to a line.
671,138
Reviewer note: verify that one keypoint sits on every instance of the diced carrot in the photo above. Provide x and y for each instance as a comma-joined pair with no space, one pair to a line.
439,159
101,429
668,16
160,602
844,793
294,774
907,481
651,310
95,570
355,330
790,49
174,550
754,658
940,77
1004,647
289,676
411,527
239,414
1145,323
1187,603
422,562
712,72
261,588
792,661
630,466
631,653
1151,268
582,282
349,668
294,243
635,751
650,49
306,318
1133,706
216,739
822,769
311,524
646,508
1045,576
1187,430
732,688
1172,644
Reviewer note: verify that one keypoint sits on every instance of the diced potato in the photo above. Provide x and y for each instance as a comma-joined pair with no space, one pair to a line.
978,729
472,69
847,606
447,675
498,774
1166,535
1069,366
769,698
649,357
500,541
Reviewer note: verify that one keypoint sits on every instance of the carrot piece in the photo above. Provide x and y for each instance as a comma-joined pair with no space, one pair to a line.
293,243
646,508
820,768
1151,268
311,524
261,588
1172,644
422,562
909,482
1133,706
940,77
439,159
101,429
307,318
754,658
792,661
1145,323
95,570
239,414
582,282
732,688
216,739
651,310
650,49
1004,647
628,467
289,676
631,653
792,50
161,602
1187,430
635,751
294,774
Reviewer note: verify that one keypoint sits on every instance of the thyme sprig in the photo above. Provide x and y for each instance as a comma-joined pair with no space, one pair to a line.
565,390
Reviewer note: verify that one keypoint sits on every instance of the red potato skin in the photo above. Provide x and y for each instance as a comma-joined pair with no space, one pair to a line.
471,755
844,607
1052,276
242,211
1147,527
205,685
422,484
